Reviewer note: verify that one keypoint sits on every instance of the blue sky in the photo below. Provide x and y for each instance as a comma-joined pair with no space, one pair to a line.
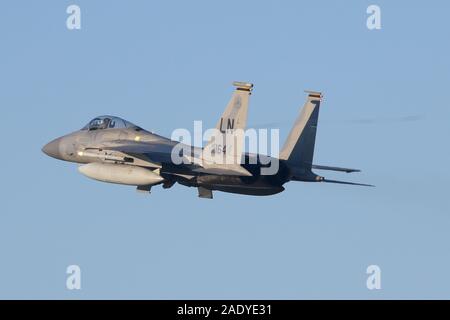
164,64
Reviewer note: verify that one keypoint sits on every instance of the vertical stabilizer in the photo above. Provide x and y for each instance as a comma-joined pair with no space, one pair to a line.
299,146
227,144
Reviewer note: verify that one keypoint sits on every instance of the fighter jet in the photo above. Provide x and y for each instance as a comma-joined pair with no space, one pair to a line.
114,150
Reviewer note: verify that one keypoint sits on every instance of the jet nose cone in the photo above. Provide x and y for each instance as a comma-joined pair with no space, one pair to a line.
52,149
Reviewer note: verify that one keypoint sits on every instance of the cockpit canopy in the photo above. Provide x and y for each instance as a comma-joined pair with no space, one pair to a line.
109,122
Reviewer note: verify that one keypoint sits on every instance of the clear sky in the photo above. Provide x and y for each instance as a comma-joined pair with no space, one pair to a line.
164,64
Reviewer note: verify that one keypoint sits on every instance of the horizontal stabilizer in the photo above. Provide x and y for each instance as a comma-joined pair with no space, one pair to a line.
346,182
318,167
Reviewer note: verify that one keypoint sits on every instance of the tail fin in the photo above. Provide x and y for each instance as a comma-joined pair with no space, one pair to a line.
299,146
230,141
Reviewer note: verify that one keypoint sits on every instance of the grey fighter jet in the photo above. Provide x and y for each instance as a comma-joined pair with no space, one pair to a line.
114,150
